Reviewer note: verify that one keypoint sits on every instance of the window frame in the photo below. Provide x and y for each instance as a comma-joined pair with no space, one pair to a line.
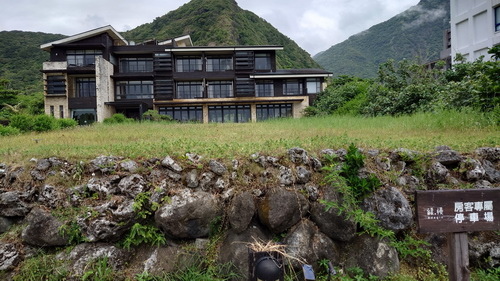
496,11
296,90
124,87
229,114
193,113
136,65
262,90
188,64
219,63
56,85
317,85
212,86
85,87
79,58
284,110
190,86
263,61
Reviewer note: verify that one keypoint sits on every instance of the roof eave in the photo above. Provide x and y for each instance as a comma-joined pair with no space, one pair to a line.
84,35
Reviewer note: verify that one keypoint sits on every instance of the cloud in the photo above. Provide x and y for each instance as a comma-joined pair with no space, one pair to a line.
422,16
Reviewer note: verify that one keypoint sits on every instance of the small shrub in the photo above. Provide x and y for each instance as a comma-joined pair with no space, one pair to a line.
22,122
153,115
73,232
99,270
66,123
41,267
117,118
140,234
9,131
44,123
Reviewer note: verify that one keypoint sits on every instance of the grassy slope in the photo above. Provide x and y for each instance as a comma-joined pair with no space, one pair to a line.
461,131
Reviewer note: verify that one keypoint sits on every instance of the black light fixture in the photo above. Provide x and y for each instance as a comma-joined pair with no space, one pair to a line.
265,266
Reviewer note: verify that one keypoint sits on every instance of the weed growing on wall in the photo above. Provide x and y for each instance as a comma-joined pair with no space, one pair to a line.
146,234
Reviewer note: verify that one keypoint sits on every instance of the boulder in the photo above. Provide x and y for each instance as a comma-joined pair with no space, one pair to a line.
235,247
159,260
192,179
334,225
306,243
437,173
280,209
303,175
473,169
5,224
103,185
43,229
188,214
447,157
109,221
50,196
132,185
84,254
373,255
489,153
391,208
285,176
217,167
12,204
241,211
104,164
129,166
298,156
10,256
490,173
170,163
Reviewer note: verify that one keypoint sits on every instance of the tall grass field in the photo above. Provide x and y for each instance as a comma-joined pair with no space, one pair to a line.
463,131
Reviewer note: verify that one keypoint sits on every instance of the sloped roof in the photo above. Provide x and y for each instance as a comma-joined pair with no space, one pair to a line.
87,34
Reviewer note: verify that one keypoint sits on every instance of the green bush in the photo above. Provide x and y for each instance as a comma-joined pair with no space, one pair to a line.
44,123
66,123
9,131
22,122
153,115
117,118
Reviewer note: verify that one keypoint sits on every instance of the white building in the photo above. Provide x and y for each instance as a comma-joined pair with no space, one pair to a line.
475,27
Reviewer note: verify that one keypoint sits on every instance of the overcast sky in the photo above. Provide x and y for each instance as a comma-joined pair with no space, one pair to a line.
315,25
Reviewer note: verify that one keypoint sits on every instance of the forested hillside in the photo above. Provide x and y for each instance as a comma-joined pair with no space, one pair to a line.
222,22
21,58
415,33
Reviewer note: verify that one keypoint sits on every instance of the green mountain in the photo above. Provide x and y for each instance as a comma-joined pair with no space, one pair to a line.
222,23
416,33
21,58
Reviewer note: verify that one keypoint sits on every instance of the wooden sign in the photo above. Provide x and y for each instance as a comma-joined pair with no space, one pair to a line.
458,210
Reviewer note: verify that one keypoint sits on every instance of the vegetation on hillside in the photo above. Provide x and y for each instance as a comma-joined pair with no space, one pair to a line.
222,23
407,87
415,33
21,58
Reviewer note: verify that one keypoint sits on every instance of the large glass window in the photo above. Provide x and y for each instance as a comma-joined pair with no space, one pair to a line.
220,89
264,88
267,111
219,64
134,90
293,87
85,87
263,61
56,85
229,114
189,90
136,65
84,116
82,57
313,85
184,113
188,64
497,18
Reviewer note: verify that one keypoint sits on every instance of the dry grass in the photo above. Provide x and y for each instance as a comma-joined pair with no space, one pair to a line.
463,132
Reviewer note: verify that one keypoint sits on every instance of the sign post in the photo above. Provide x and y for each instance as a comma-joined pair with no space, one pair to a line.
456,212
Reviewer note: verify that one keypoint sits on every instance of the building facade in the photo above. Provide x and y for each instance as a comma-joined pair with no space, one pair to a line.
92,75
475,27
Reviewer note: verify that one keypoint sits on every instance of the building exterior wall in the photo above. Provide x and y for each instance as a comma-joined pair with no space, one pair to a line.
104,88
473,28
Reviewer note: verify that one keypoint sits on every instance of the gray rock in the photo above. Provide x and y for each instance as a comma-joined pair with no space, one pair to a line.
104,164
306,243
174,175
285,176
303,175
312,191
374,256
490,173
437,173
298,155
316,164
489,153
170,163
38,175
241,211
337,154
482,184
391,208
273,161
194,158
404,154
192,179
129,166
50,196
220,184
217,167
448,157
474,169
383,163
83,254
207,181
5,224
9,256
481,252
330,222
43,165
235,247
12,204
132,185
280,209
109,221
188,214
103,185
43,230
